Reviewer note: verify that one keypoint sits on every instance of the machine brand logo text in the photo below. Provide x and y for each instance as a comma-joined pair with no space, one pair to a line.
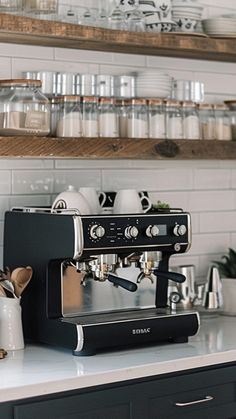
141,331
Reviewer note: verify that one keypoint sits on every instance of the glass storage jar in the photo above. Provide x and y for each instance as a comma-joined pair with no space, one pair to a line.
222,122
122,109
232,114
191,124
108,118
69,120
11,6
90,116
54,108
156,116
24,110
174,119
207,121
137,126
40,6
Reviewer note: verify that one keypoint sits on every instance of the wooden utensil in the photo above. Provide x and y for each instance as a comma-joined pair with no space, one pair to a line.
20,277
3,353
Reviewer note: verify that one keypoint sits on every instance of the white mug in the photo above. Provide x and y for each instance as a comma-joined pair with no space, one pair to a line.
92,196
72,199
128,201
11,332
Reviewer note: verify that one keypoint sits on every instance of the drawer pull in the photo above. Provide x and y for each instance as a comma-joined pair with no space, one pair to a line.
206,399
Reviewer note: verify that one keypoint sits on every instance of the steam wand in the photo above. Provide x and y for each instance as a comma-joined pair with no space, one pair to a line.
163,275
173,276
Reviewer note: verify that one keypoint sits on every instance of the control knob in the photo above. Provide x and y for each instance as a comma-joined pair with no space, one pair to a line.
152,231
131,232
97,231
180,230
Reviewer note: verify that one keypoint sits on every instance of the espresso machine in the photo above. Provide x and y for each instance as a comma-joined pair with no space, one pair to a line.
100,282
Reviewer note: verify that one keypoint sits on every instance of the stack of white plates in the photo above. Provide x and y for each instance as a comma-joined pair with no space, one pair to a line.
223,27
187,14
153,84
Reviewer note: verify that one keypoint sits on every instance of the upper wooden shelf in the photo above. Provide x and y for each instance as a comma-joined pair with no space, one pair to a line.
110,148
24,30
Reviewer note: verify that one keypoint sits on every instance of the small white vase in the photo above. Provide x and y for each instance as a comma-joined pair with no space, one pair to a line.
11,332
229,296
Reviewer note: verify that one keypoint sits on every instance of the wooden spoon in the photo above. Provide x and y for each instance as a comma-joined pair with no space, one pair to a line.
20,277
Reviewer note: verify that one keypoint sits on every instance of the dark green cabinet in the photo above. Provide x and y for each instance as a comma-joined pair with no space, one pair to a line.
196,394
102,404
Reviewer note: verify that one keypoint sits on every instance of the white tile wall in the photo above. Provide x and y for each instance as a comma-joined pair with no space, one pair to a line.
205,188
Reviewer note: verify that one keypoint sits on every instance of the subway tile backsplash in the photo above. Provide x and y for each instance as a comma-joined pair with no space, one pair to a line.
32,182
205,188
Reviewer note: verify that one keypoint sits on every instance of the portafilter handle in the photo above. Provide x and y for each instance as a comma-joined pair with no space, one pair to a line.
123,283
174,276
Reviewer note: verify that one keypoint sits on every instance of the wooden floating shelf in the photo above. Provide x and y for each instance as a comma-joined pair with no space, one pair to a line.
110,148
25,30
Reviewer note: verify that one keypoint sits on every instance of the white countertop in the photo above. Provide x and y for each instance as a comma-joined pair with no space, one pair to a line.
40,370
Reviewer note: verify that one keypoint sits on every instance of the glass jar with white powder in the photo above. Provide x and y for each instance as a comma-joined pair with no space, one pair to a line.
191,124
156,116
24,110
137,126
69,120
222,122
108,118
174,120
207,121
90,116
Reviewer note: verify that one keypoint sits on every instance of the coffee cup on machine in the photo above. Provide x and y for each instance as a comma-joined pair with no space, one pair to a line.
72,199
128,201
93,198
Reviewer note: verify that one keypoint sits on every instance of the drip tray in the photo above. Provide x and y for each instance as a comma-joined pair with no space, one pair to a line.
113,317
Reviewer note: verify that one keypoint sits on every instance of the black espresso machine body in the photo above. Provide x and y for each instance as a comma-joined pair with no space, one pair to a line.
76,302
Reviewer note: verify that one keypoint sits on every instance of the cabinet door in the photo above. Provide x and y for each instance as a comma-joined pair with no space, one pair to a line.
95,405
53,412
6,411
